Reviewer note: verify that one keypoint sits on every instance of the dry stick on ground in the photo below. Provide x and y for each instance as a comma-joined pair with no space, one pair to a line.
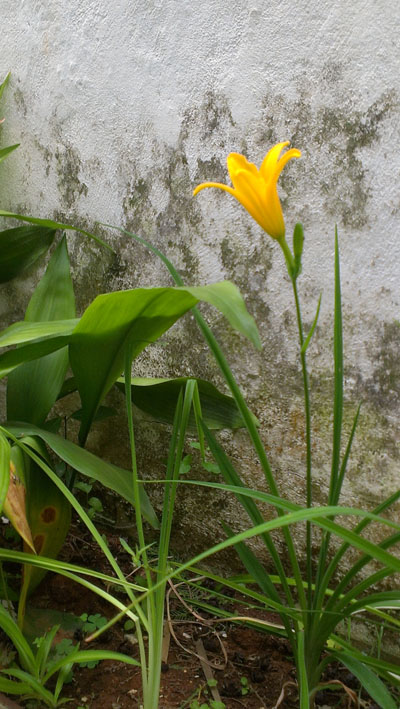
208,673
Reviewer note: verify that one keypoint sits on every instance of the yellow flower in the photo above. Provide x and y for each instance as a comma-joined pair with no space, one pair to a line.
256,189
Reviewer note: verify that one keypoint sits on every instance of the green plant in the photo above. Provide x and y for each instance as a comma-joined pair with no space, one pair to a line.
244,683
49,341
200,698
107,334
311,606
36,669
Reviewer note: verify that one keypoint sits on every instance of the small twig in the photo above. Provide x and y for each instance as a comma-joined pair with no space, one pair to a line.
351,694
165,643
282,694
206,667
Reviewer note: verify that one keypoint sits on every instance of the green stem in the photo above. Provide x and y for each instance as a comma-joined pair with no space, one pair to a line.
147,668
307,410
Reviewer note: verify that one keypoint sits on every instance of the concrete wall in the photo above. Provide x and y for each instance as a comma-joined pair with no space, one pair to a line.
122,108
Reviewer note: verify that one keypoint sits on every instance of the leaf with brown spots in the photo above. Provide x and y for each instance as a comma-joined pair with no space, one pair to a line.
15,503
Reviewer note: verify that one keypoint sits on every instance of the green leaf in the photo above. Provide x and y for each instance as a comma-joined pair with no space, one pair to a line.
111,476
36,686
4,152
5,451
33,388
23,332
10,628
4,84
50,224
13,358
10,687
298,243
49,516
84,656
226,297
338,397
369,681
158,398
21,247
312,328
137,318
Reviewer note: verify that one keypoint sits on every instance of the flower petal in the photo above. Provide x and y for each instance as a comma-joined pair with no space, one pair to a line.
220,186
249,191
292,153
238,163
269,163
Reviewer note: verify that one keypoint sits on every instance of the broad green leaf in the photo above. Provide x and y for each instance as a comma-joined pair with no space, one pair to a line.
50,224
111,476
4,468
103,412
49,516
137,318
158,398
13,358
226,297
369,681
22,332
6,151
32,388
21,247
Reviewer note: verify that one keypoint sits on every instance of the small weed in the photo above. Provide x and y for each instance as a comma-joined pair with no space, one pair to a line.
244,683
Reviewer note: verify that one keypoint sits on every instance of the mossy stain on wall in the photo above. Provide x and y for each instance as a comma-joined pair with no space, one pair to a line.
69,167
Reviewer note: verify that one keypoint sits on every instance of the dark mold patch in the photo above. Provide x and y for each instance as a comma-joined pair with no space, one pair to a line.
19,99
68,170
210,117
384,385
339,132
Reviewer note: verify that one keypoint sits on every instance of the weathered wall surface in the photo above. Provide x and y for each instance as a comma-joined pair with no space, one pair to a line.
122,108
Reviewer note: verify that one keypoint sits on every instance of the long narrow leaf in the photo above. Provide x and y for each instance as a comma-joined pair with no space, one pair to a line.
304,695
4,84
369,681
4,468
307,341
6,151
50,224
84,656
10,628
35,685
338,388
260,576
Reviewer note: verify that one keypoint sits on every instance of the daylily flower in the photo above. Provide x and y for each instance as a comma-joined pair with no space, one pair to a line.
256,189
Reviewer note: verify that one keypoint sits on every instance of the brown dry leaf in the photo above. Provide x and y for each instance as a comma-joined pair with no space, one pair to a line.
15,509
